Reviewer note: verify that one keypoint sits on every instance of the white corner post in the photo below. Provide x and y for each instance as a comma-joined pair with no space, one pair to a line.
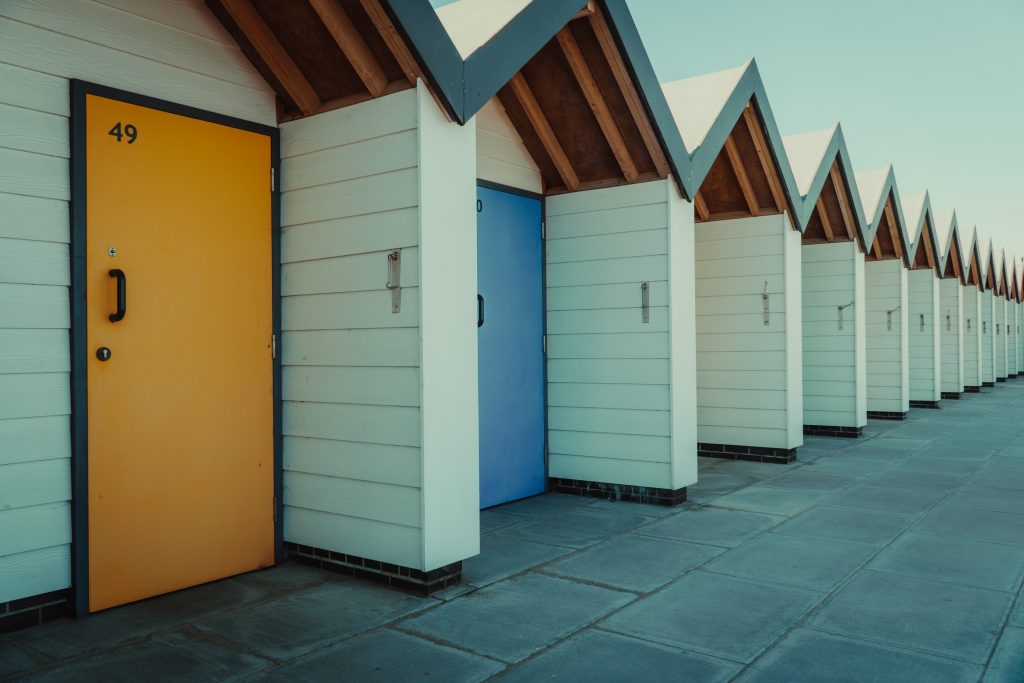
887,340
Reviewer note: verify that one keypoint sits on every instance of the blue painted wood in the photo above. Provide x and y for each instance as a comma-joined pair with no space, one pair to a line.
511,356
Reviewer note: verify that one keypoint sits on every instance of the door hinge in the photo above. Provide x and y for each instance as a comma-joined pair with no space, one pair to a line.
273,346
543,229
273,178
544,343
275,509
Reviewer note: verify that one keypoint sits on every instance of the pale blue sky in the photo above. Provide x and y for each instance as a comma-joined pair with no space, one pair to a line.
932,86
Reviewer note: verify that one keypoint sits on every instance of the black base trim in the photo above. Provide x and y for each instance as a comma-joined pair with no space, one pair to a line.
924,404
886,415
779,456
1000,379
34,610
951,395
393,575
833,430
972,390
988,384
627,493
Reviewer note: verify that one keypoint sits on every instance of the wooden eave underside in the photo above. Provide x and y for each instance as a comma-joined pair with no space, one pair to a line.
953,261
924,256
974,270
578,112
887,244
832,219
320,55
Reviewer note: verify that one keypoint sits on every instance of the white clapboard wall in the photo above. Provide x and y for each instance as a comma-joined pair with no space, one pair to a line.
988,338
951,334
925,373
1019,339
749,374
501,156
999,316
887,337
834,359
173,50
367,390
972,335
620,390
1011,338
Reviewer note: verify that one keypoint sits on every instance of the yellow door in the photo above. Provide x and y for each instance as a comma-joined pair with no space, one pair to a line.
180,389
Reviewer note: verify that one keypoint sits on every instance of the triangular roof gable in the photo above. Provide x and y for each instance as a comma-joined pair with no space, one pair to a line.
922,226
989,279
952,256
972,263
878,189
1003,274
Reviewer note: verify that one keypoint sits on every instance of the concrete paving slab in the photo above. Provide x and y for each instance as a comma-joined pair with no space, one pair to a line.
988,498
287,628
576,528
810,657
804,479
940,618
849,467
492,520
754,469
641,509
544,505
715,483
1001,478
864,496
712,526
597,656
502,556
770,500
1017,616
385,656
981,525
715,614
707,463
916,479
843,524
828,443
953,560
922,462
635,563
1007,664
13,659
172,658
516,618
793,560
288,576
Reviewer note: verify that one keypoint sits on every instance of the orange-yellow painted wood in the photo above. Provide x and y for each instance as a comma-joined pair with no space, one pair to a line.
181,416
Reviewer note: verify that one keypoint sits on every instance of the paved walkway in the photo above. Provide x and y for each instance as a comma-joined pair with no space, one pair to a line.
898,557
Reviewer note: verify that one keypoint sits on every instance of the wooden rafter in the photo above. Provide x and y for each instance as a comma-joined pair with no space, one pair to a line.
521,90
347,36
957,271
926,236
381,20
844,207
625,83
701,206
588,10
876,248
826,224
263,40
736,162
894,232
592,92
761,147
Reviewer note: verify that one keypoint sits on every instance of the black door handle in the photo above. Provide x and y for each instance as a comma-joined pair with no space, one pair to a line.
479,310
122,294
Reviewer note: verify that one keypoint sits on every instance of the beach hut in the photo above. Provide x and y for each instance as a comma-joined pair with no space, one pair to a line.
923,300
1000,303
971,300
833,296
749,392
1011,317
951,314
987,356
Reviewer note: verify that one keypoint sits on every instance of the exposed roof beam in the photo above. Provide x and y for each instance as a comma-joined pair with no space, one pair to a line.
263,40
701,206
741,176
926,236
844,208
636,109
588,10
894,233
762,153
826,224
877,248
552,146
578,64
347,36
381,20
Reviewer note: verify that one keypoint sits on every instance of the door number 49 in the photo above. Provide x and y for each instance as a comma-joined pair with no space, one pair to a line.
127,131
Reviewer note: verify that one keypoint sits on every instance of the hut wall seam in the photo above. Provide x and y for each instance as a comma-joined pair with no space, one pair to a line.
972,335
887,346
925,370
951,341
999,313
988,343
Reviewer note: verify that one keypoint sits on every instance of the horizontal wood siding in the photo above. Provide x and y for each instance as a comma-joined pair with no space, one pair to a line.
951,341
501,156
888,371
999,316
1019,308
743,365
972,335
834,360
988,338
1012,337
351,366
175,51
925,377
609,414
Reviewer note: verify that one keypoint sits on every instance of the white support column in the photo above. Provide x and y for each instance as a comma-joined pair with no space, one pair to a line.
951,335
887,341
925,371
999,317
987,355
972,336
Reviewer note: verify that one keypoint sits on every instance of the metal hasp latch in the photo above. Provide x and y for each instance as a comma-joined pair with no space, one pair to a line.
968,324
764,303
645,302
997,329
983,326
841,309
888,317
949,322
395,279
922,322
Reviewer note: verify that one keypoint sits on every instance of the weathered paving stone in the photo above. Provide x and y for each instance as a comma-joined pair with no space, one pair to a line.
953,560
916,479
715,483
712,526
804,479
842,524
13,659
502,556
981,525
516,618
1007,663
811,657
714,614
988,498
576,528
599,657
769,500
864,496
492,520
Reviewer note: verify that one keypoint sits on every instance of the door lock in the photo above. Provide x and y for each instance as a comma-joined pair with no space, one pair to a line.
103,353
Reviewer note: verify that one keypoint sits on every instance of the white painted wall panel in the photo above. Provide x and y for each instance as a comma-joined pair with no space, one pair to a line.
833,276
925,370
501,156
887,340
746,379
972,336
621,394
988,338
1019,309
171,50
951,334
1012,338
999,318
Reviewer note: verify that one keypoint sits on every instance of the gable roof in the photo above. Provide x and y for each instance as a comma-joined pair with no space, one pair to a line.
921,224
876,188
947,235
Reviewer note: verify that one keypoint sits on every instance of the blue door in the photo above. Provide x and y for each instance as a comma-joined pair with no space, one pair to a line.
510,337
